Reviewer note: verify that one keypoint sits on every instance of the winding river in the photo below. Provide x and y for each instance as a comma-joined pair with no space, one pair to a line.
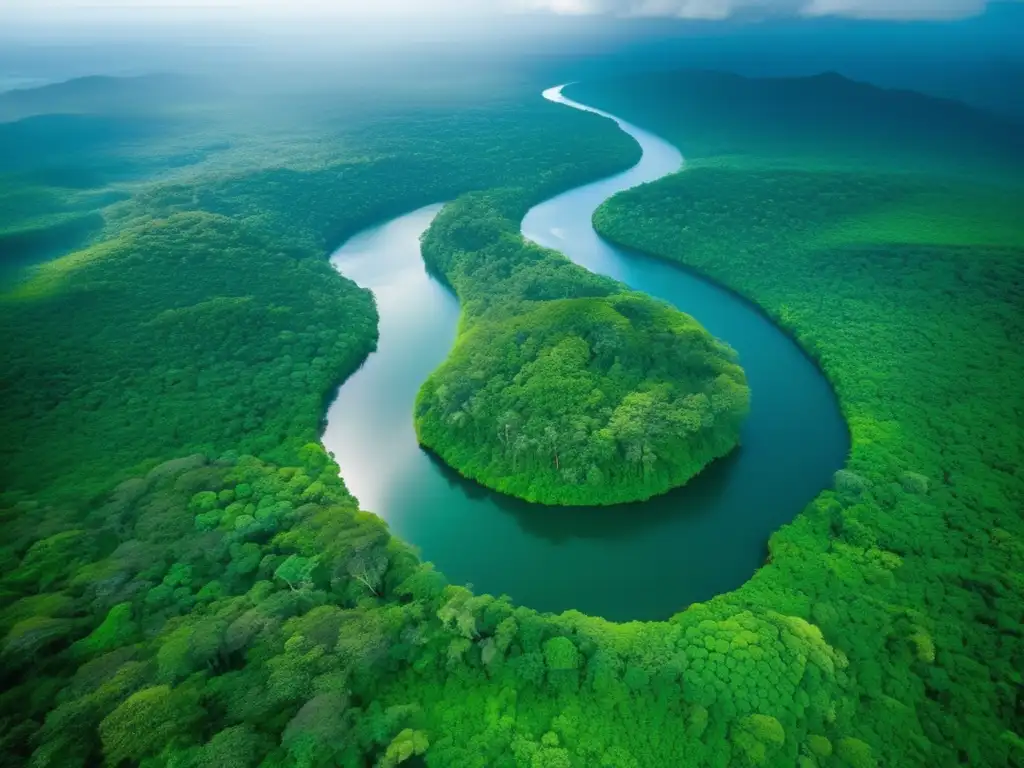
638,561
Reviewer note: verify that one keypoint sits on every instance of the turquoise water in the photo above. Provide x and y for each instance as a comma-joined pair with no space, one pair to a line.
635,561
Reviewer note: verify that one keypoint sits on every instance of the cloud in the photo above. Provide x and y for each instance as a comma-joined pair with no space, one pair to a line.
57,10
904,9
724,9
678,9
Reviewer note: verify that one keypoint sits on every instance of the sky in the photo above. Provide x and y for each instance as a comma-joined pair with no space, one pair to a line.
40,12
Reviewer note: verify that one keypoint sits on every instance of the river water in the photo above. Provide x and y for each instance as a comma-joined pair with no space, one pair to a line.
635,561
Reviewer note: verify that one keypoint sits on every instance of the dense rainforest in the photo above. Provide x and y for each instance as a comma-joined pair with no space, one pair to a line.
565,387
189,583
887,234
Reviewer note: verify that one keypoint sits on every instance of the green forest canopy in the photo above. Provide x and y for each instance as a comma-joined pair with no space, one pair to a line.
565,387
170,601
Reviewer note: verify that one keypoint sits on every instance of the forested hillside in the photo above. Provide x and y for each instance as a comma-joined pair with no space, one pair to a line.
887,235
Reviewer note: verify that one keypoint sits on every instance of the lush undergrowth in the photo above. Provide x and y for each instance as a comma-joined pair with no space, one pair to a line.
565,387
904,277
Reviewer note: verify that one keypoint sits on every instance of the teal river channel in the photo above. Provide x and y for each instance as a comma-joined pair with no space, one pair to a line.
636,561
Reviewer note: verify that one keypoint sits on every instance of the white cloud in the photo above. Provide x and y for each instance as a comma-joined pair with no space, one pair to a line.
886,9
63,10
684,9
722,9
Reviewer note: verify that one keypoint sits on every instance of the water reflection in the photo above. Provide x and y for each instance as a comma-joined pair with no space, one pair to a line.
619,522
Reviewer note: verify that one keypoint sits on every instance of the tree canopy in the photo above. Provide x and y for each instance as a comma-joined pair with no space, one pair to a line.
565,387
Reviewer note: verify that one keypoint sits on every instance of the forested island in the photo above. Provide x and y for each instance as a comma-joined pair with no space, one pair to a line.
187,582
565,387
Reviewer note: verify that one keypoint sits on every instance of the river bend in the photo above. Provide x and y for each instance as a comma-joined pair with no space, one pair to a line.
637,561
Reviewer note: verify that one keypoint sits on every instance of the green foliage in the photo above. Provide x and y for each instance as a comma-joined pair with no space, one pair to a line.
160,669
854,753
560,654
146,722
235,747
565,387
819,746
758,736
139,355
34,635
118,629
404,746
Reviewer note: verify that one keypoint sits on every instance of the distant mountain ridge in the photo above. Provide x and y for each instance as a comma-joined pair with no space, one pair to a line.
819,118
100,94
